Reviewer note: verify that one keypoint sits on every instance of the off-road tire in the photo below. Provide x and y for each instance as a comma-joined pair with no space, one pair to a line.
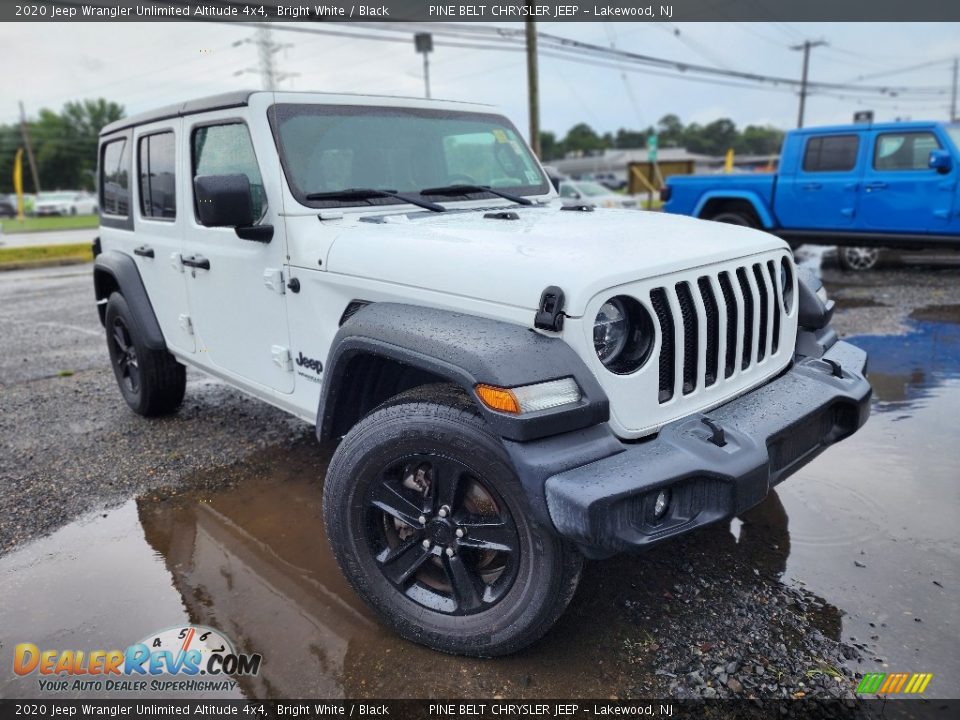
430,421
735,218
161,380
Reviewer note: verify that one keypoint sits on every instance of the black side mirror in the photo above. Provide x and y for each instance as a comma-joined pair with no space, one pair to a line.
941,161
227,201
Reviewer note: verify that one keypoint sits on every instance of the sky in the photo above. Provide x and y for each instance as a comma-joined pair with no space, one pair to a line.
147,65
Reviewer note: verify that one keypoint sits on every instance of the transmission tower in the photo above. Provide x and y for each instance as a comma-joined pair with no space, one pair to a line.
267,49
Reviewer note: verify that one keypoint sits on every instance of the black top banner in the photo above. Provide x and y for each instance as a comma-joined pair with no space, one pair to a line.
487,11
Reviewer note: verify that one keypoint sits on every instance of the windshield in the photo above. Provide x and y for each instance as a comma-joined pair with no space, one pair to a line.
328,148
954,132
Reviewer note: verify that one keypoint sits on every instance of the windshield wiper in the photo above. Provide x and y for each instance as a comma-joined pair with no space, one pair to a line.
464,189
369,193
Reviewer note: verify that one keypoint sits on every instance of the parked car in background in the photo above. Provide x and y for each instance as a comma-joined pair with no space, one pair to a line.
555,176
609,180
884,185
70,202
8,207
595,194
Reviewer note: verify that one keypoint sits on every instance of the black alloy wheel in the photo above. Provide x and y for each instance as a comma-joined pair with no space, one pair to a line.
125,356
441,536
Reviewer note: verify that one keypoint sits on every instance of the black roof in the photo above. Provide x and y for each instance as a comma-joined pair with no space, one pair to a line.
237,98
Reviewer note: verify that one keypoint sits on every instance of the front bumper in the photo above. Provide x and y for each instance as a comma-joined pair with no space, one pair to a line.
607,506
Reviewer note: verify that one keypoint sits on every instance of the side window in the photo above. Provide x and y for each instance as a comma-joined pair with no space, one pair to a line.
115,178
156,167
831,153
228,150
904,151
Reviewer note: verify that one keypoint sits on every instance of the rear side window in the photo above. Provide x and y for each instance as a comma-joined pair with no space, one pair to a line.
831,153
228,150
904,151
156,167
115,178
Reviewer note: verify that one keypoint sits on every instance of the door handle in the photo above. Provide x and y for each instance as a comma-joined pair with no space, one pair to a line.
811,186
876,186
196,261
144,251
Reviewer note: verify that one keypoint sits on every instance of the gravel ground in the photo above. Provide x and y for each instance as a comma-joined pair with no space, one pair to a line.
706,616
68,442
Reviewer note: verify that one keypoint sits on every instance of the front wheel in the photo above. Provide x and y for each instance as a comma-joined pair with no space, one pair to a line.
858,259
428,522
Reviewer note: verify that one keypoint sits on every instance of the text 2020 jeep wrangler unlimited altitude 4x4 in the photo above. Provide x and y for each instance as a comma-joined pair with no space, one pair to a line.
517,383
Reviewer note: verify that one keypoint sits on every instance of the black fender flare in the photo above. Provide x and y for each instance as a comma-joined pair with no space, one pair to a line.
466,350
123,274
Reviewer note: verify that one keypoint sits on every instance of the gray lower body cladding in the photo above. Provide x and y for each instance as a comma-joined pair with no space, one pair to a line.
606,505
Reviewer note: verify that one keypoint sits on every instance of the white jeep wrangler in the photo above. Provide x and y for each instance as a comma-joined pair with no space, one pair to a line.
516,383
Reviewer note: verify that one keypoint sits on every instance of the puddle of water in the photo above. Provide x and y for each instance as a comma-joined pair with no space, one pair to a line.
888,499
253,562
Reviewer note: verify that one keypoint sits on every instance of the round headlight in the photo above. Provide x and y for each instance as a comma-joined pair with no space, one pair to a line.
610,331
623,334
786,284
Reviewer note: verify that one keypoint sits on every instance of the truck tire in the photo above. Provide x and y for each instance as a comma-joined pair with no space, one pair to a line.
736,218
428,522
151,381
858,259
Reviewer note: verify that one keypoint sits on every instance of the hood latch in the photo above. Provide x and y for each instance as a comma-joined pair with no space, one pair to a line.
550,315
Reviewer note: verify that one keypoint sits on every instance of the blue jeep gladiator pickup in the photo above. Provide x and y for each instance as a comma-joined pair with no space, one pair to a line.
857,186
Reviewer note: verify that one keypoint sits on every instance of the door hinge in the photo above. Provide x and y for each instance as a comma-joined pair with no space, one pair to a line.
273,279
186,324
282,357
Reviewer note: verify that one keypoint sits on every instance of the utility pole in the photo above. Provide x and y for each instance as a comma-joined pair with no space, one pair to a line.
26,141
423,42
267,49
806,47
533,85
953,94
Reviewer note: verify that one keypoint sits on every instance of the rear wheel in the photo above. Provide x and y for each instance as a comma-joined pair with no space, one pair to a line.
858,259
736,218
151,381
429,523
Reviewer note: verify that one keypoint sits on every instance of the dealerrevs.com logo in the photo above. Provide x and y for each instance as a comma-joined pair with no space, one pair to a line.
187,659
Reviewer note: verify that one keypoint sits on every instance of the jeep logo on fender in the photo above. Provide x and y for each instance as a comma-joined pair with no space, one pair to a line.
310,364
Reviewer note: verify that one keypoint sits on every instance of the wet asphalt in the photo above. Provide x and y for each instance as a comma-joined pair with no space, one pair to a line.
113,526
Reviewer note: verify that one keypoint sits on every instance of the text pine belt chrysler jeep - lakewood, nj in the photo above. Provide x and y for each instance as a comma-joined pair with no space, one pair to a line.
516,383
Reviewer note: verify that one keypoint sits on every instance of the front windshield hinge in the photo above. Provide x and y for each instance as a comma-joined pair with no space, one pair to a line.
330,215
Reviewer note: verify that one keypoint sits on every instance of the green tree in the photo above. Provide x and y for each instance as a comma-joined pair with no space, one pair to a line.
64,145
760,140
550,149
670,131
583,138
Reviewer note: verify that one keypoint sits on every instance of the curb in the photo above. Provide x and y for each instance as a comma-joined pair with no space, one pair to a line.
45,263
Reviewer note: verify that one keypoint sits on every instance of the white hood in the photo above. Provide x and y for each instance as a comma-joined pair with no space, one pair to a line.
512,261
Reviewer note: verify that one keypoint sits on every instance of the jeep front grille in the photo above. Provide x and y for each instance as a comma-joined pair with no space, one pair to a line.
720,325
